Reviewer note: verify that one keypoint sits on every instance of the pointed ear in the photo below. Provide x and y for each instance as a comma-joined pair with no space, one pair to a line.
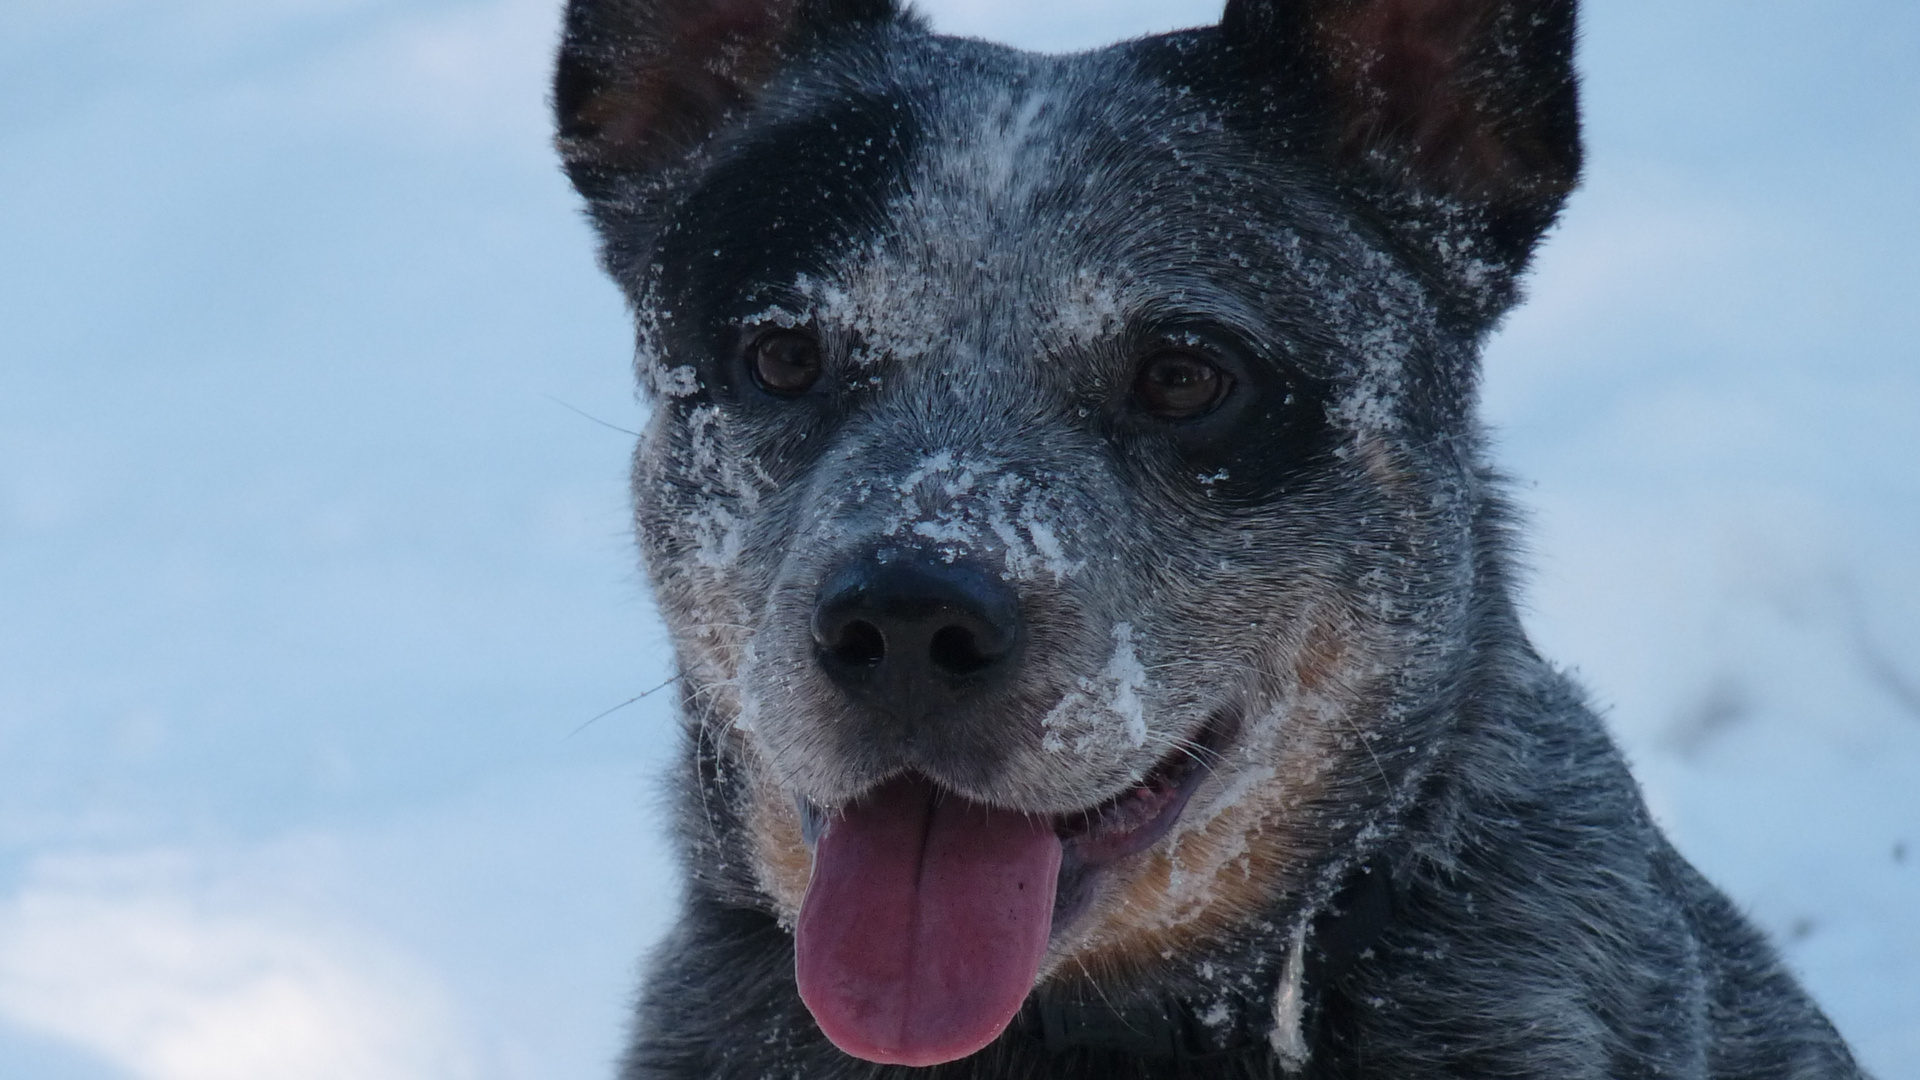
1468,107
640,83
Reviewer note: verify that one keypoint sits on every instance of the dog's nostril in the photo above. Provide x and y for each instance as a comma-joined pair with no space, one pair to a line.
915,634
861,644
955,650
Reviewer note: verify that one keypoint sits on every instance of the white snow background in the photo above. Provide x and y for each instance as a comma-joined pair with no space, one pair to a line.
311,577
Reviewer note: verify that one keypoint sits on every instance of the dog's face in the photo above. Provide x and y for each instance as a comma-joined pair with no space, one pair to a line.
1059,347
1085,437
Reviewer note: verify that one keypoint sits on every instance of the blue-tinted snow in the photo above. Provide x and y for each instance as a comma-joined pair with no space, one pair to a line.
310,580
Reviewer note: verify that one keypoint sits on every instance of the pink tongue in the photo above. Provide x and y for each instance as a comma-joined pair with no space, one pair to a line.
924,924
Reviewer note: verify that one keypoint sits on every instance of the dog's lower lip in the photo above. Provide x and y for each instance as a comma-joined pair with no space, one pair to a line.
1137,818
1133,822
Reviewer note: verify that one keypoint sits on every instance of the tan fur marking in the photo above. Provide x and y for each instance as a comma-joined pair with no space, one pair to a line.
1385,469
1212,878
1320,656
781,860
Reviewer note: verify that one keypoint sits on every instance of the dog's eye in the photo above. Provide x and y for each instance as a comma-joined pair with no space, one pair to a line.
785,363
1180,384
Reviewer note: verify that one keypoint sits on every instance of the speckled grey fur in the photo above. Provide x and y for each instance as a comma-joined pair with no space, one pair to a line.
975,232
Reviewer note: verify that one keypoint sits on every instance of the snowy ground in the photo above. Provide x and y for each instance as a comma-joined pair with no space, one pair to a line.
311,575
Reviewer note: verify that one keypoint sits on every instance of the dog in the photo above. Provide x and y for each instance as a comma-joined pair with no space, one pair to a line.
1092,601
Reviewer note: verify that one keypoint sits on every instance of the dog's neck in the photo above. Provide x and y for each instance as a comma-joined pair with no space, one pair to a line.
1172,1029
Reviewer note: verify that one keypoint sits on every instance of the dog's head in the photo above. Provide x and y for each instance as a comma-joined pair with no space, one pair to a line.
1084,444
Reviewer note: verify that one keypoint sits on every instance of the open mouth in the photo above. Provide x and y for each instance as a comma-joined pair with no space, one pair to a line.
928,915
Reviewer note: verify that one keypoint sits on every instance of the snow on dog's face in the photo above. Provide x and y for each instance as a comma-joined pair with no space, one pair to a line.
1064,447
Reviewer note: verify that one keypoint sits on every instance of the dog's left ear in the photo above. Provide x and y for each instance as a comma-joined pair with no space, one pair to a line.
642,83
1459,117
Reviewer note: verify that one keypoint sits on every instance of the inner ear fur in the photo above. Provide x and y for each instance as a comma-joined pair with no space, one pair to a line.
1471,106
640,83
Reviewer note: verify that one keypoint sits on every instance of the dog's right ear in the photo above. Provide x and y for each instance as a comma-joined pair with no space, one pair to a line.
641,83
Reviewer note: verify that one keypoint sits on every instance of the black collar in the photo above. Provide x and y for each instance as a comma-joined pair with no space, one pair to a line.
1171,1029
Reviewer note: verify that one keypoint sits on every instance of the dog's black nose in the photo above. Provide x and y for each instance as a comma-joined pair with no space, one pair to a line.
910,633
